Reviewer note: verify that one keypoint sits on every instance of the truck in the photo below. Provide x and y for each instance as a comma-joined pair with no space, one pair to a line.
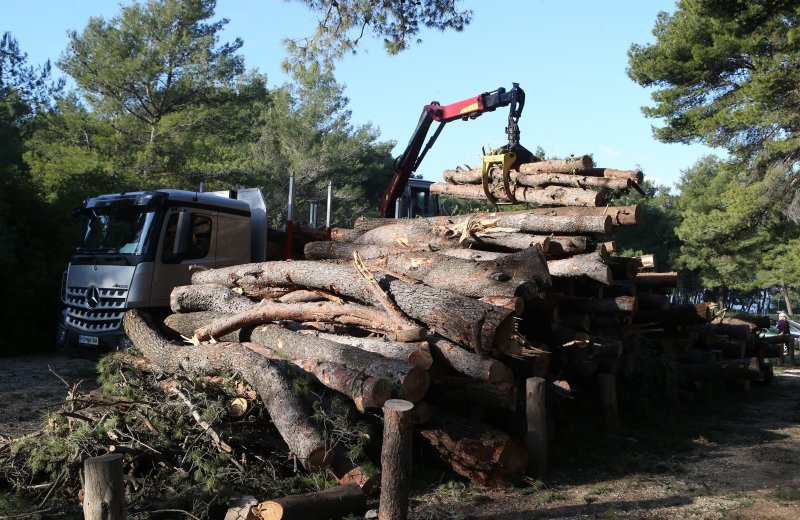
135,247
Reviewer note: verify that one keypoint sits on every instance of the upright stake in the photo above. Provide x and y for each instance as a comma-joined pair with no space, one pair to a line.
395,459
608,395
289,216
536,437
103,490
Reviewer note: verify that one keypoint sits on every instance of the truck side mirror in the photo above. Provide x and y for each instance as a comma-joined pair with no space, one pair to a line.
183,233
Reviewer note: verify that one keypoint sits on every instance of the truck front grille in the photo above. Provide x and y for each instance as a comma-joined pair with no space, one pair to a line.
94,309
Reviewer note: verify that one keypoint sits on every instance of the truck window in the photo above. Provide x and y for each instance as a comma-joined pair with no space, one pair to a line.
200,244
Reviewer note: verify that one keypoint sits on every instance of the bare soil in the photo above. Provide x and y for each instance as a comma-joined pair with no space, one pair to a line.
32,385
737,456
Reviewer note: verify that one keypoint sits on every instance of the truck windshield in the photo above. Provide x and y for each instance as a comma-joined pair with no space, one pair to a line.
116,230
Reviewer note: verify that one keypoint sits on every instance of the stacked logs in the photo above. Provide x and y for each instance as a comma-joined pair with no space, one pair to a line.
453,314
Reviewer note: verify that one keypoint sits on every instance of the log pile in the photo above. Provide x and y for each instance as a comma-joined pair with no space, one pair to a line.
453,314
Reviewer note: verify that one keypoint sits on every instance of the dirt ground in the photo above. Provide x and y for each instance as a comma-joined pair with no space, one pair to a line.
737,456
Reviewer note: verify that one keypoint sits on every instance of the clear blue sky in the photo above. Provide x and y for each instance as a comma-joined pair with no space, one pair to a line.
569,56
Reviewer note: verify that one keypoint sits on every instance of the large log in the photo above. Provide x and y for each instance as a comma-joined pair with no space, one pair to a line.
539,180
519,274
266,311
335,502
409,381
570,165
466,362
657,280
548,196
415,353
457,390
266,376
620,215
366,391
610,173
184,324
485,455
592,266
561,246
467,321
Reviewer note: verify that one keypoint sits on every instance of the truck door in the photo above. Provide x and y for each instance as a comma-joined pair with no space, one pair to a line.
187,239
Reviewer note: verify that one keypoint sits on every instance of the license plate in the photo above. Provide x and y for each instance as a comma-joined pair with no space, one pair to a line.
88,340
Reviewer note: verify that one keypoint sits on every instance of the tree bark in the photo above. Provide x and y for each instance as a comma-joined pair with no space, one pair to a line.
620,215
467,321
366,391
184,324
266,311
409,381
539,180
396,460
657,280
210,297
485,455
610,173
335,502
465,362
623,267
415,353
592,266
103,489
345,235
727,370
519,274
549,196
561,246
266,376
571,165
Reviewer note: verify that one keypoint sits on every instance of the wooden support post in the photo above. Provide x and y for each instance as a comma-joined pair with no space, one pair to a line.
608,397
398,421
790,350
103,489
536,436
707,386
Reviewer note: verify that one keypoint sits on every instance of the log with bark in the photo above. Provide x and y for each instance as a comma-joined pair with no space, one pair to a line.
592,266
409,381
548,196
415,353
266,376
485,455
466,362
538,180
620,215
657,280
520,274
620,304
467,321
335,502
726,370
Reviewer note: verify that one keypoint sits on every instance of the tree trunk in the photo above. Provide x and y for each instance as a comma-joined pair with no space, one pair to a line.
623,267
266,311
540,180
657,280
485,455
592,266
465,362
610,173
345,235
467,321
398,429
520,274
103,489
726,370
415,353
409,381
561,246
549,196
786,299
184,324
457,390
620,215
365,391
571,165
335,502
266,376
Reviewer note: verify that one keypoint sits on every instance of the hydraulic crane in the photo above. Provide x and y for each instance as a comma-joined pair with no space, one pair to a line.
408,162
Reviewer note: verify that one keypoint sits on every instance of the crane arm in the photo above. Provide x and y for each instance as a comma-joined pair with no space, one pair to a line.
408,162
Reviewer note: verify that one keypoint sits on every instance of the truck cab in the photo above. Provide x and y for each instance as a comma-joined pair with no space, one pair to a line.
417,201
136,247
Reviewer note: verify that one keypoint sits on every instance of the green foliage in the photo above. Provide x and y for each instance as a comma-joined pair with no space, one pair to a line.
342,24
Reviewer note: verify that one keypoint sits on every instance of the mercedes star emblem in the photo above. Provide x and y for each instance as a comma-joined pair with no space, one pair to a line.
93,297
